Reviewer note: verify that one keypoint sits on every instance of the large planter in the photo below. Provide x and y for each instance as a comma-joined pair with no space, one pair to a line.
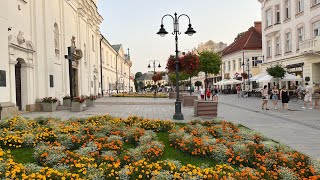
90,103
189,100
76,106
181,95
67,102
205,108
48,107
172,95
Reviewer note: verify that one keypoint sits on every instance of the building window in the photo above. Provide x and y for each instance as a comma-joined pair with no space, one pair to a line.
234,64
300,6
315,2
254,61
102,54
229,65
300,36
288,42
111,64
287,9
268,48
56,40
92,43
277,13
278,46
225,67
269,17
107,60
316,28
240,63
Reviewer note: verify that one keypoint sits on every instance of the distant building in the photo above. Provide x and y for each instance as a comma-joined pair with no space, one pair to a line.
291,36
243,55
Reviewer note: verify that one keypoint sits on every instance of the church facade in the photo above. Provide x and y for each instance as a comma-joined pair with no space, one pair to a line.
35,36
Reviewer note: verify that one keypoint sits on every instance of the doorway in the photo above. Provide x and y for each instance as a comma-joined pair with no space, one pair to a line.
18,85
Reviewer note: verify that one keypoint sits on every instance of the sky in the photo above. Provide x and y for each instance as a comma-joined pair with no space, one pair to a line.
134,24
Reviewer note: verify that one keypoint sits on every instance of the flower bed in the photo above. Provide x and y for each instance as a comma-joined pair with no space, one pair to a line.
136,95
97,148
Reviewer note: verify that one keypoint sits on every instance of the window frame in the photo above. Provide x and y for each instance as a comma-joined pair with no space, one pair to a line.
288,44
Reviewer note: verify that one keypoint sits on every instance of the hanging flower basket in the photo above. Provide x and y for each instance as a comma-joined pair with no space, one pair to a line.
244,75
171,64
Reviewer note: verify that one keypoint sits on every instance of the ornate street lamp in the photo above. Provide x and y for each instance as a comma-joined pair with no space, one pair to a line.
162,32
154,72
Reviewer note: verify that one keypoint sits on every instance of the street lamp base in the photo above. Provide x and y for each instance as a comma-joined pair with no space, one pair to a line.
178,115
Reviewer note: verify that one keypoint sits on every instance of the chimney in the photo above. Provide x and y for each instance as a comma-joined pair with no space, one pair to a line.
257,26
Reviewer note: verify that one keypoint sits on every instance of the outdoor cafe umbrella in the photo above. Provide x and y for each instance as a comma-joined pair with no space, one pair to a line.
232,81
287,77
221,83
255,78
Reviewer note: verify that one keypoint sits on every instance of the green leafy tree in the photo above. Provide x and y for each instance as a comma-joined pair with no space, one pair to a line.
239,36
182,77
141,85
198,84
149,86
210,62
136,84
276,71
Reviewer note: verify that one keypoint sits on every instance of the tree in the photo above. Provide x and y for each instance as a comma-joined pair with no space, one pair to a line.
190,64
276,71
149,86
136,85
171,64
198,83
141,85
157,77
210,62
182,77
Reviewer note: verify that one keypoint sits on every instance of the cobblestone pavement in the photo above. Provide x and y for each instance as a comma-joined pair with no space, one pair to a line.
299,129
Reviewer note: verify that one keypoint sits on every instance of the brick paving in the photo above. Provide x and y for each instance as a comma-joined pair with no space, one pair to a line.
299,129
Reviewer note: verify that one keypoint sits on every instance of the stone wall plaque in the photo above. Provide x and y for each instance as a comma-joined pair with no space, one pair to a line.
3,82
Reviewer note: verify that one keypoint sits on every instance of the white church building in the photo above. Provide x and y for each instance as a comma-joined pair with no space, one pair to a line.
35,36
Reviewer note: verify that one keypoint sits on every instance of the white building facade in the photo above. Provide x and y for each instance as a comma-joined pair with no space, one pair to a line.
35,36
291,36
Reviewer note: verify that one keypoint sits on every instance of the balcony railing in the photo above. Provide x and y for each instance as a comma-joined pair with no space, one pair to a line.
310,45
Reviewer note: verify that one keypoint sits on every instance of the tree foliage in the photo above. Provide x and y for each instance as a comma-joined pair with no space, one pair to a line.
157,77
210,62
171,64
182,77
141,85
190,64
276,71
137,75
198,83
239,36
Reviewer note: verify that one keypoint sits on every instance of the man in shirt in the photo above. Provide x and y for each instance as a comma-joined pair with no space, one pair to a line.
308,96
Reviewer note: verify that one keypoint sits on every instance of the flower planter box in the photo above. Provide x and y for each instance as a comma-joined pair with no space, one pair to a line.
90,103
76,107
189,100
205,108
67,102
48,107
181,95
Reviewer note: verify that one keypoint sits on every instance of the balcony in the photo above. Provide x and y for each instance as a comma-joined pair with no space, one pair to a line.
310,46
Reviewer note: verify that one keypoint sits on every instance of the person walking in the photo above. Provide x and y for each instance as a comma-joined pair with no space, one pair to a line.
238,90
208,93
284,96
202,93
308,97
265,97
316,95
275,97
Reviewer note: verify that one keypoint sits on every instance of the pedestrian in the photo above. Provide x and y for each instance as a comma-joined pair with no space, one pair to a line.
308,96
238,90
275,97
216,94
265,97
202,93
284,96
212,93
316,95
208,93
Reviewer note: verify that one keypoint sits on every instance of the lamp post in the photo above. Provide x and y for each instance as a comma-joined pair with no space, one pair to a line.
154,72
162,32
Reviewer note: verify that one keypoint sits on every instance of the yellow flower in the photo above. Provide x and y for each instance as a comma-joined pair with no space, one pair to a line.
140,176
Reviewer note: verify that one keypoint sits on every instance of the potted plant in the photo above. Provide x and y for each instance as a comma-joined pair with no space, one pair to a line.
77,104
49,104
67,100
90,100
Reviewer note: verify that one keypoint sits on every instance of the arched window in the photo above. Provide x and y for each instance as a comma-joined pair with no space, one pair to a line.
56,40
102,54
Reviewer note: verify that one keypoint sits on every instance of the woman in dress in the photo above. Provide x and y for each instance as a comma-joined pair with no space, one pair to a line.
265,97
316,95
284,96
275,98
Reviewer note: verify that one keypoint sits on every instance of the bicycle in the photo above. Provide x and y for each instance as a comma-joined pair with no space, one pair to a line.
295,97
